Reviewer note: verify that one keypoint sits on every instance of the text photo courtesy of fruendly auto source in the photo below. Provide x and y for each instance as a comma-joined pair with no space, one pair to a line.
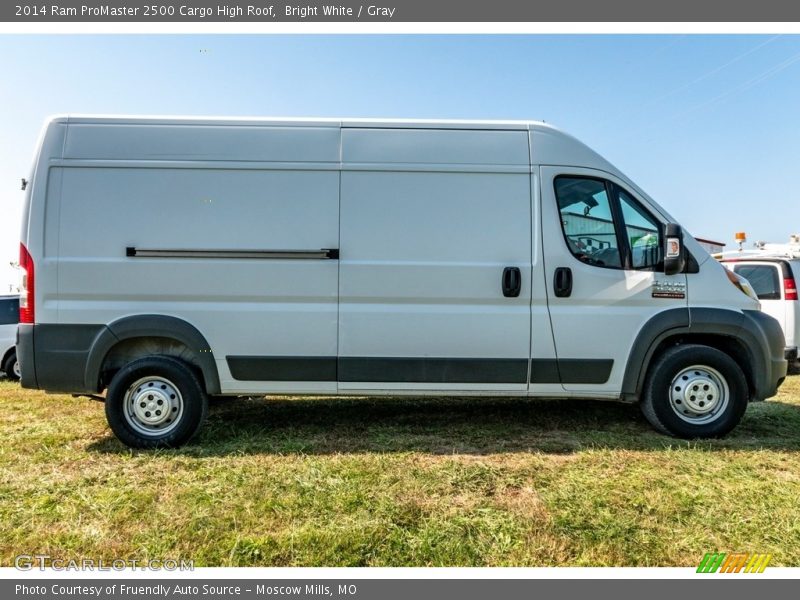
400,300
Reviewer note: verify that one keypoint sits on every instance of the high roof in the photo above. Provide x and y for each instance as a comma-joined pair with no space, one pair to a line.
305,122
548,145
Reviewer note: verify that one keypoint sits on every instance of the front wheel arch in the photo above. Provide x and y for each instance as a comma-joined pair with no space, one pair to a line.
719,328
731,346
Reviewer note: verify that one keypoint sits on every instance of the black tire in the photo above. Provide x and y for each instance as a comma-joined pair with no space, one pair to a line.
9,364
662,400
173,384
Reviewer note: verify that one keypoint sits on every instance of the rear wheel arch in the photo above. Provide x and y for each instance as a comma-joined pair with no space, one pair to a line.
134,337
131,349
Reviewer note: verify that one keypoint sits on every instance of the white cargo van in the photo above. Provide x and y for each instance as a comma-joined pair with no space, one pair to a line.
169,259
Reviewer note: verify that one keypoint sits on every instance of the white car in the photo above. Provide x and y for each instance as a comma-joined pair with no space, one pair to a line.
9,315
774,278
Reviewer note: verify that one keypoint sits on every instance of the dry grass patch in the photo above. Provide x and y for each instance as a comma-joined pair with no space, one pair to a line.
399,482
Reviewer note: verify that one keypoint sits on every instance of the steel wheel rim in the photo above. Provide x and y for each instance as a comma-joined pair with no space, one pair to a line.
153,405
17,370
699,394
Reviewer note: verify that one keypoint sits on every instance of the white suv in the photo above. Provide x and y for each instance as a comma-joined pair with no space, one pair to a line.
774,278
9,316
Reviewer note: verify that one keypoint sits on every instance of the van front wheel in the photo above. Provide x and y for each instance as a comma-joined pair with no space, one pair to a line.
694,391
155,402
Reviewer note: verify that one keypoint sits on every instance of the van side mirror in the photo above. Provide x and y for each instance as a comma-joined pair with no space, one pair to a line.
674,254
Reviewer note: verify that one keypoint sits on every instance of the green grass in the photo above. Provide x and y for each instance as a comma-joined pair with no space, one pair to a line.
397,482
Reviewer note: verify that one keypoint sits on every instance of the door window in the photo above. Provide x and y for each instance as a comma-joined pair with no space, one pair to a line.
763,278
588,221
605,226
642,233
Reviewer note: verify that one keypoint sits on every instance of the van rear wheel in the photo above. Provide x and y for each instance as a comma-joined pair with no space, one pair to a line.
694,391
155,402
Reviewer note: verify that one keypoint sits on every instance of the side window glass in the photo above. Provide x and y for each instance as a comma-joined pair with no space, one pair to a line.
9,311
763,278
643,233
587,221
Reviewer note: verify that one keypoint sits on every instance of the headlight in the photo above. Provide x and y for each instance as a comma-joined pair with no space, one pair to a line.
741,283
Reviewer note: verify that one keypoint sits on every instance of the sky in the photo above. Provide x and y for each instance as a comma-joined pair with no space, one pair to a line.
708,125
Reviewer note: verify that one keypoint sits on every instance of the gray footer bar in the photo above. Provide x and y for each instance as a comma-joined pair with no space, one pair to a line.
730,587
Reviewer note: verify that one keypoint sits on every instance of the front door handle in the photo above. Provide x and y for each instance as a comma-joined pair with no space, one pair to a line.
512,282
562,282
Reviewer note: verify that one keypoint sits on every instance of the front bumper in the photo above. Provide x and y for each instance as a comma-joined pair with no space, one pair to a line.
766,333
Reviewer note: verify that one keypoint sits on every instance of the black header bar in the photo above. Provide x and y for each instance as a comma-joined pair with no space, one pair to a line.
400,11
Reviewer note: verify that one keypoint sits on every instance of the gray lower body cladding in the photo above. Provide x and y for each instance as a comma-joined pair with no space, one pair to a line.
758,334
68,358
766,332
54,357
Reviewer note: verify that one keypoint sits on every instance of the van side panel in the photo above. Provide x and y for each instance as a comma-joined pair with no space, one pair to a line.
202,143
429,221
259,309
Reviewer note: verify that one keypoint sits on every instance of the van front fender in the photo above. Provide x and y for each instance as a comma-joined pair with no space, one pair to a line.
757,334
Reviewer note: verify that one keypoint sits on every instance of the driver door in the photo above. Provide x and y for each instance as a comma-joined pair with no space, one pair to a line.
607,245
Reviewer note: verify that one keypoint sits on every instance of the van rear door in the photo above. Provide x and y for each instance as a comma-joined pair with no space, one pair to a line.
435,264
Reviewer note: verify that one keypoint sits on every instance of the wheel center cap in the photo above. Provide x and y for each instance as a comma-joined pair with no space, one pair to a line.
151,406
701,395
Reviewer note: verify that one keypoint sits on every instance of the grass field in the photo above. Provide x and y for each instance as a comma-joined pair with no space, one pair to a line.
399,482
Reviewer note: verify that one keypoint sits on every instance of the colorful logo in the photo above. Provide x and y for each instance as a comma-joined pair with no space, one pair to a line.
740,562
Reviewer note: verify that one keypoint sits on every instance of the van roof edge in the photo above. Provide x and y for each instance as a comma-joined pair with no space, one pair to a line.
303,121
